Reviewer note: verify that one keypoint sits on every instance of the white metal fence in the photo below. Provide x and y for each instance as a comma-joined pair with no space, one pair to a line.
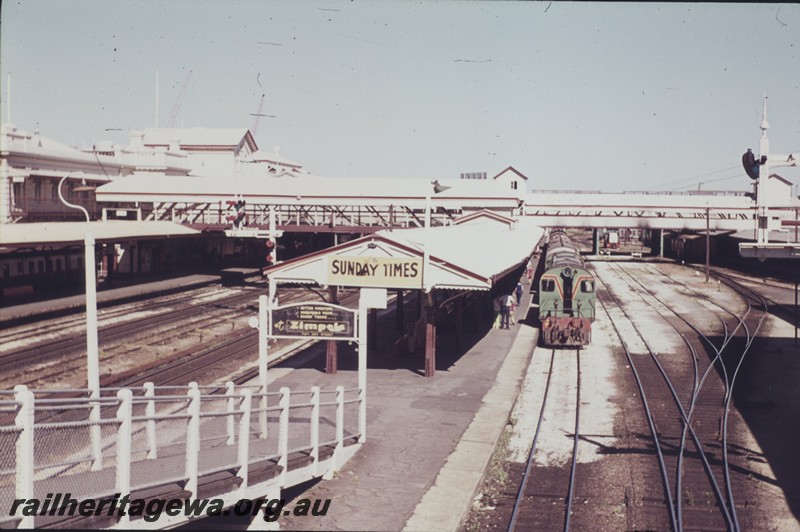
55,442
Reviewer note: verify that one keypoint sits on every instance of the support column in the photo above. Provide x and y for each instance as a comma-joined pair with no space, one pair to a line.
459,323
430,339
373,328
6,189
331,357
661,243
796,312
595,241
332,351
399,317
708,243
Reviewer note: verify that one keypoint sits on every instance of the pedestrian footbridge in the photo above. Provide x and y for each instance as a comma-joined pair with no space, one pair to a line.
197,442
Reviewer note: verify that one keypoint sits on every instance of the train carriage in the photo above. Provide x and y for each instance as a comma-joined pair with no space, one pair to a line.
566,294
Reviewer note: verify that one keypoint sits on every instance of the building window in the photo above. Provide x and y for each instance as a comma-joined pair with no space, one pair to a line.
18,187
37,191
514,185
20,268
41,266
31,267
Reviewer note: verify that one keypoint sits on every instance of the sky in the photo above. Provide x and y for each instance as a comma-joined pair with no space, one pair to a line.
590,96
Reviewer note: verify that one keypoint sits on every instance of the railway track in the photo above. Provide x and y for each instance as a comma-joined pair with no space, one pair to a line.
57,355
239,347
112,310
545,495
686,403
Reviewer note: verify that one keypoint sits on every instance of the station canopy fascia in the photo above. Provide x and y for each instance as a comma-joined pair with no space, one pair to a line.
461,257
34,235
144,187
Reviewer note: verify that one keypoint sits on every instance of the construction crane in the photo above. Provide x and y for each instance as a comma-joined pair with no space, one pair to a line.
173,114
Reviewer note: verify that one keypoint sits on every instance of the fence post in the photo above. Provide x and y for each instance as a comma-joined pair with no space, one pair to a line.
339,426
193,439
124,432
244,437
339,417
283,433
24,473
231,409
150,412
96,431
362,414
315,429
264,303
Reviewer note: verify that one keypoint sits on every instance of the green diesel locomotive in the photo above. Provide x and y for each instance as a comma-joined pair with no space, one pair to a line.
566,294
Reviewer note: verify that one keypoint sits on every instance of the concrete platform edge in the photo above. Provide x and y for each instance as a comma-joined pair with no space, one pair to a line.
446,503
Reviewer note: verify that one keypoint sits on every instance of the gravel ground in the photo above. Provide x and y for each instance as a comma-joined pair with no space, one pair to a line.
613,467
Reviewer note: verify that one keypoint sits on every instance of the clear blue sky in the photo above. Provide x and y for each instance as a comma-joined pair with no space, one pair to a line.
585,96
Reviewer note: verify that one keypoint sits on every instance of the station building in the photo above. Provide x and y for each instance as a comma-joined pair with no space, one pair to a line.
204,180
35,257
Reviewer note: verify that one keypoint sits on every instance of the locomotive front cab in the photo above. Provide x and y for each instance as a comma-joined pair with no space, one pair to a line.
566,306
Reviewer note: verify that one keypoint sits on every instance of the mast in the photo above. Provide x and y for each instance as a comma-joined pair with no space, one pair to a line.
156,98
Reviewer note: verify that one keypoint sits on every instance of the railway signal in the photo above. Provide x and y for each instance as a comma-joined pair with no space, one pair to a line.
751,164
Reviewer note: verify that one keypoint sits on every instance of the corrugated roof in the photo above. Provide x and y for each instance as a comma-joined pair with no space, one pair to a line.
273,157
486,249
342,187
469,257
197,136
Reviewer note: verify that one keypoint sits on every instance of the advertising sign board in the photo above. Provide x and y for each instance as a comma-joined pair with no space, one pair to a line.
313,320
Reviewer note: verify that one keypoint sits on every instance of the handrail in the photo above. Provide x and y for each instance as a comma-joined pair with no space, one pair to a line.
134,439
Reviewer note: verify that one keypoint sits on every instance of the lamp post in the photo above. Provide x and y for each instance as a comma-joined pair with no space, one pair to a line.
92,349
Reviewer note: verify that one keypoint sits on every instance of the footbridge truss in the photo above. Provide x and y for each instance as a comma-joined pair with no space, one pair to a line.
718,211
368,205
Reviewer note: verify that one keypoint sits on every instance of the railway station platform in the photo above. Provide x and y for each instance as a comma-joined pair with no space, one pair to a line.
430,439
77,303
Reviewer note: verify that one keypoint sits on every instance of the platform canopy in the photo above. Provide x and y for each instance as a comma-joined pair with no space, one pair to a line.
471,256
32,235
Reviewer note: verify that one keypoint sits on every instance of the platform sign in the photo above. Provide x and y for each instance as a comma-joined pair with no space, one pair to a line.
380,272
313,320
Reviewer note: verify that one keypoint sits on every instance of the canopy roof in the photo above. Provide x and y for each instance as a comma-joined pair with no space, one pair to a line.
29,235
466,257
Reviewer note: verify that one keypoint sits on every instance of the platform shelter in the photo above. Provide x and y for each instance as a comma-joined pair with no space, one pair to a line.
442,265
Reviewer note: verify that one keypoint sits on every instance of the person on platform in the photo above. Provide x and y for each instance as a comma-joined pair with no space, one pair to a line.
518,292
496,307
505,310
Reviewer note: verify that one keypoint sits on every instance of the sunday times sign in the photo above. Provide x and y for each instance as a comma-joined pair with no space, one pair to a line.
381,272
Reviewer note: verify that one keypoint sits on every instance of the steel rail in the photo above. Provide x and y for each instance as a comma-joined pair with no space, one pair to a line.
686,419
529,463
647,412
742,292
576,439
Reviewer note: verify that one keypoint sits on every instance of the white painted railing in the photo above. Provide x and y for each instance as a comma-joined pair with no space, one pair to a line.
155,436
